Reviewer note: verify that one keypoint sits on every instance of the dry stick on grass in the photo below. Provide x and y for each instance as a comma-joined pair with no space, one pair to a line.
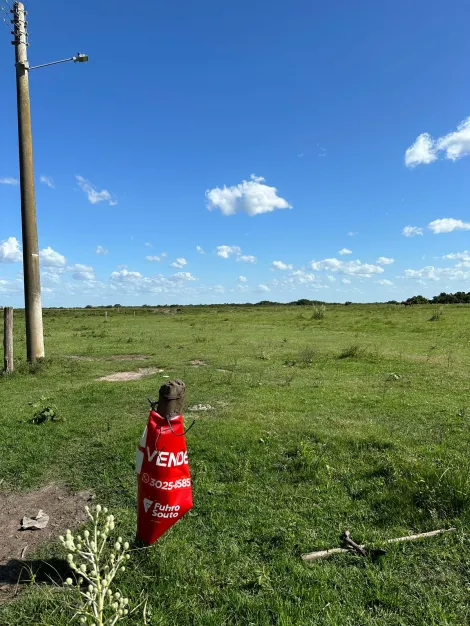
321,554
352,544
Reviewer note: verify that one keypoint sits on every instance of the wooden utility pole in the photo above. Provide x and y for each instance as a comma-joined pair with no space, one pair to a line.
8,339
32,279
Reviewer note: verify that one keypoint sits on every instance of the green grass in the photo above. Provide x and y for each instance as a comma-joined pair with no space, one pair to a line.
358,420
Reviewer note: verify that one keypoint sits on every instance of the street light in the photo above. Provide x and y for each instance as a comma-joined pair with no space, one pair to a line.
79,58
32,278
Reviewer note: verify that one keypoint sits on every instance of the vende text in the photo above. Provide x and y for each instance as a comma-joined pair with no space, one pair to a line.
168,459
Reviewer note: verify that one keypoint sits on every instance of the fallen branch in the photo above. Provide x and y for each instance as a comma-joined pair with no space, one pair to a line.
346,537
322,554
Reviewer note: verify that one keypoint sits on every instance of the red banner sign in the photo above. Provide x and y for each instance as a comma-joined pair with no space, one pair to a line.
164,481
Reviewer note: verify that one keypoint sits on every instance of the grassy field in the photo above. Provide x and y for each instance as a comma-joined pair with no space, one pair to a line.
360,420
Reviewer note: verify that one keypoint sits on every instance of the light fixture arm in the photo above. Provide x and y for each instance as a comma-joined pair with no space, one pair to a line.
79,58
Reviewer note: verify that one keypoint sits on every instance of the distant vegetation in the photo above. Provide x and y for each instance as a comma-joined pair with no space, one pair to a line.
459,297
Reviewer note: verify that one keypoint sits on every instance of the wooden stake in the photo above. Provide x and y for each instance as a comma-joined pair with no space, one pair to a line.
9,365
321,554
171,398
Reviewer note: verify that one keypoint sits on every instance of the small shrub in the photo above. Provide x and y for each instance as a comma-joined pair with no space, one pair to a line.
437,314
43,412
318,312
352,352
306,357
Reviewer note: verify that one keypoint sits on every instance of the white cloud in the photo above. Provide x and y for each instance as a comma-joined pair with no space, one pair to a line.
93,195
241,288
422,151
344,251
79,267
352,234
47,181
454,145
51,277
200,250
215,289
460,256
302,277
353,268
457,144
125,276
384,260
132,283
9,181
279,265
332,279
227,251
436,273
412,231
385,282
11,286
346,281
10,251
51,258
101,250
182,276
153,258
242,279
148,244
179,263
252,196
263,288
163,254
447,225
247,258
81,272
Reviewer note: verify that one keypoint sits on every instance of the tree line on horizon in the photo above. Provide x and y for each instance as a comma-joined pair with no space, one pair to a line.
459,297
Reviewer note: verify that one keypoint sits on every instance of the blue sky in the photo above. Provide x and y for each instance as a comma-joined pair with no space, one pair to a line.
293,142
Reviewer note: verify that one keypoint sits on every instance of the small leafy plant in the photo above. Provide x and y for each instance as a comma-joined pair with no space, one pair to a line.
44,412
94,564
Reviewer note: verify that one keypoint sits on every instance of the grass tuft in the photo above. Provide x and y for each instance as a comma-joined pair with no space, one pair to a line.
437,314
318,312
354,351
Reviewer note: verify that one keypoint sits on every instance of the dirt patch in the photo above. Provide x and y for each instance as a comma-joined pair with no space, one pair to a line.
197,363
113,357
122,376
65,510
